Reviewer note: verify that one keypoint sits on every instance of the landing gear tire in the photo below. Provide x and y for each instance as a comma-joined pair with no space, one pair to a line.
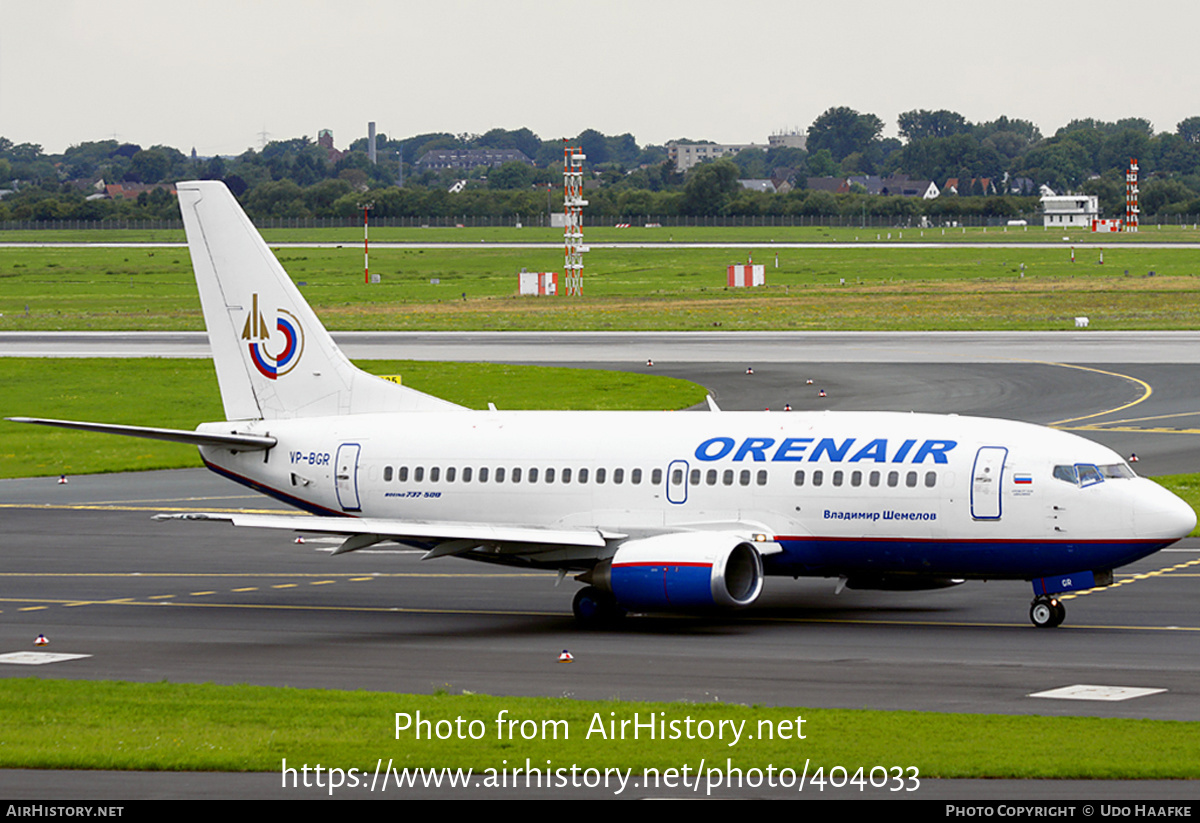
1060,612
1047,612
596,609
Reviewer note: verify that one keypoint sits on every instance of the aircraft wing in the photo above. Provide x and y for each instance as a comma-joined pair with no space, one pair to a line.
449,538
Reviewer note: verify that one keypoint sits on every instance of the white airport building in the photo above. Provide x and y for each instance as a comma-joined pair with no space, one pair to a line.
1069,210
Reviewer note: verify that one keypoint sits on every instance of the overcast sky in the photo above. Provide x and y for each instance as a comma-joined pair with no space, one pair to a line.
215,74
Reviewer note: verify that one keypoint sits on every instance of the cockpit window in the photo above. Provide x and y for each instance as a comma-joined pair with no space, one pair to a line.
1066,474
1089,475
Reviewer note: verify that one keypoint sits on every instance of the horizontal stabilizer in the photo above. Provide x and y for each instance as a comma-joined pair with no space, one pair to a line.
233,440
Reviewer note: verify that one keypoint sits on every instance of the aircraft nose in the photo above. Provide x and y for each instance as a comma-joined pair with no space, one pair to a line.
1160,514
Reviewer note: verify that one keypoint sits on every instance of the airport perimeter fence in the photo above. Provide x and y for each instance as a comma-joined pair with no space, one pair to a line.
657,221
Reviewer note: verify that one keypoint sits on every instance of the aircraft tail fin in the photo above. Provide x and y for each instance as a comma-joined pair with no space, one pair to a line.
273,357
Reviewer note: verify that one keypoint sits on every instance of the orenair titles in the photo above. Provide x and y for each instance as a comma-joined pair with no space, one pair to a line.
798,449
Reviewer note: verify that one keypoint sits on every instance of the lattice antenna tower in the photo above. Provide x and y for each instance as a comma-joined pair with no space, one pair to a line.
1131,196
573,204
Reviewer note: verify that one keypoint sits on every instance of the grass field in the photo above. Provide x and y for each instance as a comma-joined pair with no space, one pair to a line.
59,724
600,230
848,288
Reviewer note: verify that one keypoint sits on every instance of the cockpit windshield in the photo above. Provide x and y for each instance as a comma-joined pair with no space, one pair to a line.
1089,474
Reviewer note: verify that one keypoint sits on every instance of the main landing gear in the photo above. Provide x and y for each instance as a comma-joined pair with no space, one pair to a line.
596,609
1047,612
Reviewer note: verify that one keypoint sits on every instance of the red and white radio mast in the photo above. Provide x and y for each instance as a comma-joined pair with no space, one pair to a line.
573,204
1131,196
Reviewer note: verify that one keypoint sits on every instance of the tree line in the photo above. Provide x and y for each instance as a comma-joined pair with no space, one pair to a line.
298,178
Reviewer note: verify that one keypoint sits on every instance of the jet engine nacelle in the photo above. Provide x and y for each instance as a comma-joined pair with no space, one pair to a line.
689,570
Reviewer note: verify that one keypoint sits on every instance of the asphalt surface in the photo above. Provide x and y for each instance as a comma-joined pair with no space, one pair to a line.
86,566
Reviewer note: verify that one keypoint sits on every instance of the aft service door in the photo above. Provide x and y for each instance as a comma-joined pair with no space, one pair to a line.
987,482
346,478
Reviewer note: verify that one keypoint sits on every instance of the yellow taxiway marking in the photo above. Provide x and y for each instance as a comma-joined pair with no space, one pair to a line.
1151,417
165,500
285,585
1104,427
247,589
1146,392
1127,579
200,594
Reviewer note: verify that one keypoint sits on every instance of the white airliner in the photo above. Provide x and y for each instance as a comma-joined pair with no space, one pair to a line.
651,511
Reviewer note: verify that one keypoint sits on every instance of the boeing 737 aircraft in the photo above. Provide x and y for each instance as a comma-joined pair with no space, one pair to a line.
650,511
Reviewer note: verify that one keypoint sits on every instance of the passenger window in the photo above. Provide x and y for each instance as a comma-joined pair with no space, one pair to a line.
402,475
583,475
635,476
434,474
893,479
818,477
930,479
618,476
656,476
499,475
516,475
727,477
676,477
744,477
910,480
549,475
483,475
533,473
856,479
387,474
419,474
762,477
566,475
711,477
837,478
798,478
600,475
450,472
695,481
467,474
874,479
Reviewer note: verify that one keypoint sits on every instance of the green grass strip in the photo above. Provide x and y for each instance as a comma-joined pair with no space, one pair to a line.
602,230
68,724
667,288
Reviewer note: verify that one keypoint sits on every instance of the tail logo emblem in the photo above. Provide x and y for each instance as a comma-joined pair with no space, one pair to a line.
258,336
